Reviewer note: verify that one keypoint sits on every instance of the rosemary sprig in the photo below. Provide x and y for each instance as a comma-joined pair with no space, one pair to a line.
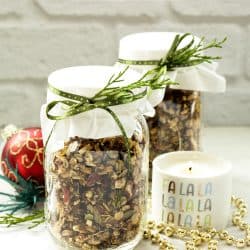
124,94
191,54
36,218
110,96
112,80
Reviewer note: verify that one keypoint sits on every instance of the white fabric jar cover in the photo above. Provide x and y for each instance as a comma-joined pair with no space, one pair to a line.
94,124
154,46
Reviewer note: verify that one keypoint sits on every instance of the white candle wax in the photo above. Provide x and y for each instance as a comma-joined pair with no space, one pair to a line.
190,189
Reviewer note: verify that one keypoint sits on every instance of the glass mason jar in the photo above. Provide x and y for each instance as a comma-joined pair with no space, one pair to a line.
177,121
96,195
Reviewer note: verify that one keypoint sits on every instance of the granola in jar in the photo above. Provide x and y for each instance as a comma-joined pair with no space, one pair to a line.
99,198
176,124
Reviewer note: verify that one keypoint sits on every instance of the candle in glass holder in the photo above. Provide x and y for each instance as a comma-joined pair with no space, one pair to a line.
191,188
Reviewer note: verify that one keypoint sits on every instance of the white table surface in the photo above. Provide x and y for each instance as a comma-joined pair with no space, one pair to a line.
230,143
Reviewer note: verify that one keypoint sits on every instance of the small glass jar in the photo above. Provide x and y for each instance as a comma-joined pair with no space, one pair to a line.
96,195
177,121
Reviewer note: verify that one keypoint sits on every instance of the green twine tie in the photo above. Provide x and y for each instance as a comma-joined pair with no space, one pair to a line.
77,104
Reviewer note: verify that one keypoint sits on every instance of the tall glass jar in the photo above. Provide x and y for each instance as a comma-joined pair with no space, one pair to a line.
96,194
177,121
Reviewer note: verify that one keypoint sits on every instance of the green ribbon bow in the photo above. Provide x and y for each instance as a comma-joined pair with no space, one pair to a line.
80,104
109,96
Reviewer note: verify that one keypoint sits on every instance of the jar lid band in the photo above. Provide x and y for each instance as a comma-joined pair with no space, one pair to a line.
139,62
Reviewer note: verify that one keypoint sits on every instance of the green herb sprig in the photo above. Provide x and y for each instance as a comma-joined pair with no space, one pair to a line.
109,96
35,218
191,54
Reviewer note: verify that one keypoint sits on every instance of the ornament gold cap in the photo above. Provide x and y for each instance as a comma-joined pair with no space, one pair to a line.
8,131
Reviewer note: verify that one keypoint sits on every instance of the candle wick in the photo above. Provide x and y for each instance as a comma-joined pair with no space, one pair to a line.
190,169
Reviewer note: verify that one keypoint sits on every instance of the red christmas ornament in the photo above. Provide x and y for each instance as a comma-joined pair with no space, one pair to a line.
23,151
